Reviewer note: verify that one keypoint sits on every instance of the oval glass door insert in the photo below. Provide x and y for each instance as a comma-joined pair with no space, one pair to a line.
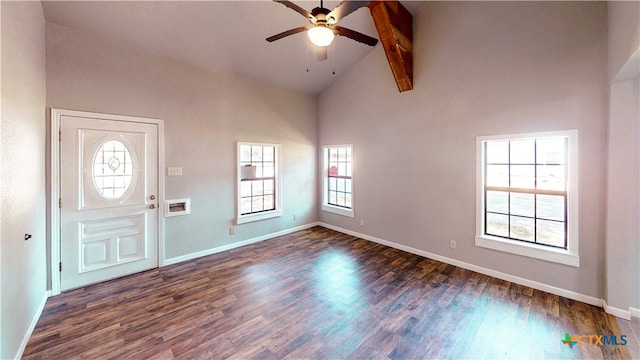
112,169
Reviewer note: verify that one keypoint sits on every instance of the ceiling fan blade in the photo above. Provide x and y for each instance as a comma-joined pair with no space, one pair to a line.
343,9
321,51
296,8
287,33
352,34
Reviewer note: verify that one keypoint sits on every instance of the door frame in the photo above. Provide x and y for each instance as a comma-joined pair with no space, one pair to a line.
55,182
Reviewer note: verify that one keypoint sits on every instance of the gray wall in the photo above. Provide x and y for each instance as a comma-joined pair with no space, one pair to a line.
623,196
624,33
480,68
22,180
623,191
205,113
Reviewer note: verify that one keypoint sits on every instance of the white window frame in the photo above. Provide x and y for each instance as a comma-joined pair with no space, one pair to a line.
245,218
570,255
349,212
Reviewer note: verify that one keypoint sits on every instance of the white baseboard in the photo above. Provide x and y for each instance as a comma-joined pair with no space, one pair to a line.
32,326
634,312
621,313
493,273
238,244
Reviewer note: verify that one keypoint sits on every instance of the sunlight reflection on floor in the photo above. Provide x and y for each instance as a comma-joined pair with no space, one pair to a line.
338,282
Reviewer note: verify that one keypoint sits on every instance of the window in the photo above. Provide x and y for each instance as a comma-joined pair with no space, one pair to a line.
527,195
337,187
112,169
258,182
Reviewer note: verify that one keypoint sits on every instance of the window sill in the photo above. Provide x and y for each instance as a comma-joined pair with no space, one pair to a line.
338,210
560,256
242,219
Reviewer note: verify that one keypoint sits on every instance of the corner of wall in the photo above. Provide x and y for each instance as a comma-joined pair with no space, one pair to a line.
23,263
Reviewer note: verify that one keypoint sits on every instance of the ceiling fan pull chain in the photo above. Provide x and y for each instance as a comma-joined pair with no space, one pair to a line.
307,57
333,57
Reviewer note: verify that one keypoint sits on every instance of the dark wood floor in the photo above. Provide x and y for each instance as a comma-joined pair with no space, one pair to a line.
315,294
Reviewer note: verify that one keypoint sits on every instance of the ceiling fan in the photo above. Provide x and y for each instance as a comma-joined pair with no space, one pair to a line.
323,28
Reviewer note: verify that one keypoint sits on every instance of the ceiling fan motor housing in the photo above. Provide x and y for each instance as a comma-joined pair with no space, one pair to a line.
320,15
323,23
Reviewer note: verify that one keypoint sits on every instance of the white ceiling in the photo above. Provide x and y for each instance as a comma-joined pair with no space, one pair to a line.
224,36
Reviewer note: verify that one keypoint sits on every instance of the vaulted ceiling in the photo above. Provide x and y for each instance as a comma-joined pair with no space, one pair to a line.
224,36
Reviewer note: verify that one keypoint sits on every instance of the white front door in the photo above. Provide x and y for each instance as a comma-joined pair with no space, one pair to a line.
108,197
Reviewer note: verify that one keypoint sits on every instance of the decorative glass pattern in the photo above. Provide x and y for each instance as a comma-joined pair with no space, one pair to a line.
112,169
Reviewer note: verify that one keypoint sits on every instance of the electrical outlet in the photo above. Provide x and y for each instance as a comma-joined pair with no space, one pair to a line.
232,230
294,217
361,222
453,244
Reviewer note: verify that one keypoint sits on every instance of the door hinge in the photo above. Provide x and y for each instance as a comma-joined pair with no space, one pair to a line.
60,267
60,203
59,135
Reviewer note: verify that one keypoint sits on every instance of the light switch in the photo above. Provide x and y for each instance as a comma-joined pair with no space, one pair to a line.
174,171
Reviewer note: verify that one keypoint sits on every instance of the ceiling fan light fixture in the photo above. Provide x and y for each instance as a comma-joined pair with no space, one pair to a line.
320,35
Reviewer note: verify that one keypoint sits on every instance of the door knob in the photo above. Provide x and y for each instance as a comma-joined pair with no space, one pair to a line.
152,206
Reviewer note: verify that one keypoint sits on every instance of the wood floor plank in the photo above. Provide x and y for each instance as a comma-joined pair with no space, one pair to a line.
315,294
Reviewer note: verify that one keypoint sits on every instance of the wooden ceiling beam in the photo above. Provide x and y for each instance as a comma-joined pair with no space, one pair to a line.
395,30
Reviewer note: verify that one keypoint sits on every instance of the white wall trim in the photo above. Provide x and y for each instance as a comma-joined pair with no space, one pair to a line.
238,244
55,181
324,173
277,211
623,314
479,269
570,256
634,312
32,326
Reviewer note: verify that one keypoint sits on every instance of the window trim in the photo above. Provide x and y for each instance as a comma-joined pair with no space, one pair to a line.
325,206
569,256
246,218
